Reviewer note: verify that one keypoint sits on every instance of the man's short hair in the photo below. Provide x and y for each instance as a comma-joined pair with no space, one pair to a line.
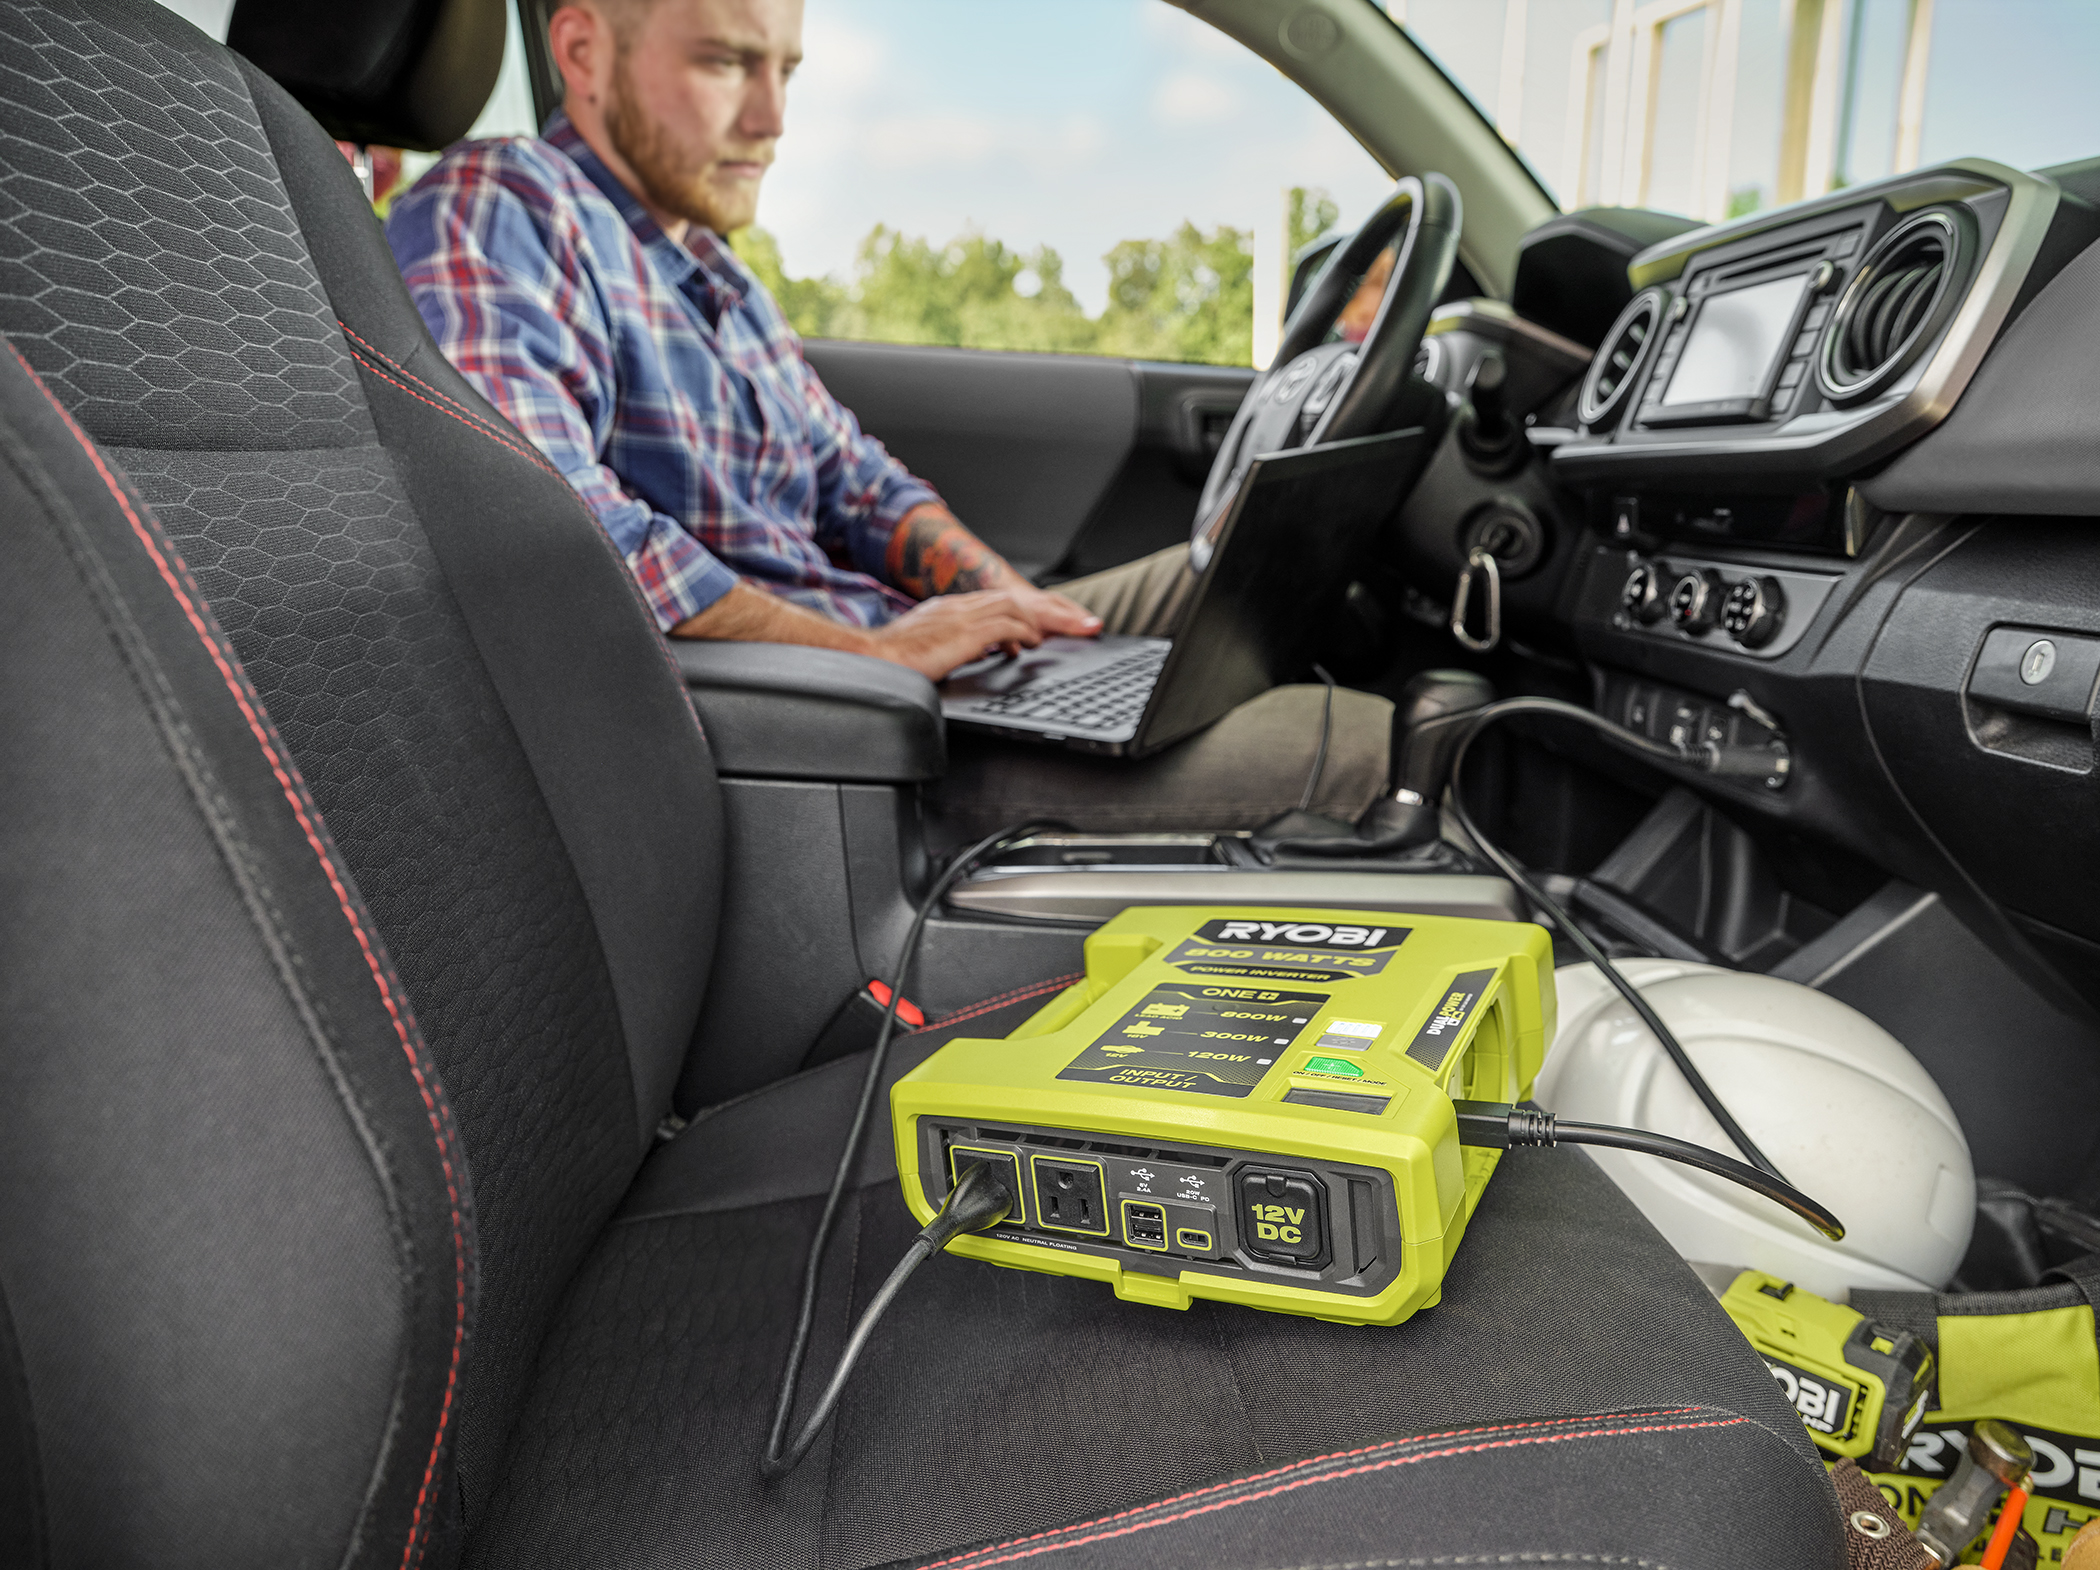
623,16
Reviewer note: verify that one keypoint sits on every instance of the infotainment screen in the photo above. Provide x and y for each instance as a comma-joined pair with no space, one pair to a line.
1735,342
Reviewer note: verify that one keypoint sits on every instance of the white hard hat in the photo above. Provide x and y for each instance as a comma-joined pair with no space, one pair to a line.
1846,1114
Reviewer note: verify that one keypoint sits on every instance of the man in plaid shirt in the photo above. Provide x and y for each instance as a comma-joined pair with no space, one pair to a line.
581,282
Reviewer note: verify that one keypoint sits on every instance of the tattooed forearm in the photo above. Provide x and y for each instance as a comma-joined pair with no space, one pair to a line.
932,553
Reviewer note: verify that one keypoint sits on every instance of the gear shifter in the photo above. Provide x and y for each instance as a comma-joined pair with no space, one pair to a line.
1428,722
1489,437
1426,731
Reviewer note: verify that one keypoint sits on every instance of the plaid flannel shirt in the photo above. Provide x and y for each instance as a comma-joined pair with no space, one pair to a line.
661,379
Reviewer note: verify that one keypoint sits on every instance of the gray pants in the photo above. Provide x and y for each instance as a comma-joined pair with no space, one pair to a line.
1242,771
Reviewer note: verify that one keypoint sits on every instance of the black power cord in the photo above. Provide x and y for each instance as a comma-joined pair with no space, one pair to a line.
781,1458
977,1203
1480,720
1319,764
1504,1127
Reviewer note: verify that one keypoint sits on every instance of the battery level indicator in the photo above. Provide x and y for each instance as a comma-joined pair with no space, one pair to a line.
1349,1035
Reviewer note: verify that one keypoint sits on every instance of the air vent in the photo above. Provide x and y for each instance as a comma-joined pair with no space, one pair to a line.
1896,303
1612,371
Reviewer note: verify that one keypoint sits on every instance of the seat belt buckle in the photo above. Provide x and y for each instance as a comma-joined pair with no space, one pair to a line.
858,1021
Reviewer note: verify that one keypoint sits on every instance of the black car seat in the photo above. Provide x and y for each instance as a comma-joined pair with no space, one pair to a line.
358,882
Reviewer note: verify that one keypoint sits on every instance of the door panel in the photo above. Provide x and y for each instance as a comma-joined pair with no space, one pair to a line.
1183,414
1064,464
1022,446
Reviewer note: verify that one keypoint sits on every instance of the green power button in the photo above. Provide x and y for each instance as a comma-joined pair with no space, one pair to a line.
1339,1066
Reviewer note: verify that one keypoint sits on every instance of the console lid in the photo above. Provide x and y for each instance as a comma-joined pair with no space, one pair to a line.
782,711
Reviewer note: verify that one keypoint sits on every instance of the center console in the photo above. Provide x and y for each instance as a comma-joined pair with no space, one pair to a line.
1088,878
822,756
1738,586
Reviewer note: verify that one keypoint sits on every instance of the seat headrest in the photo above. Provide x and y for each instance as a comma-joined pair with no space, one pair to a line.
395,73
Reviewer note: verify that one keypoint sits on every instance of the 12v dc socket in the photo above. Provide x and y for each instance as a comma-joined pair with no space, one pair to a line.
1283,1217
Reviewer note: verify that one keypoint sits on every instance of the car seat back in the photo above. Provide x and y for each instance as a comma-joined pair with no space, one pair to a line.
454,659
236,1240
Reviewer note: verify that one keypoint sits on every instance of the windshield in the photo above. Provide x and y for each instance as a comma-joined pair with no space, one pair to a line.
1716,108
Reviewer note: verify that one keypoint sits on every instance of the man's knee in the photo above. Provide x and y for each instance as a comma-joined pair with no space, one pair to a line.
1142,598
1271,735
1250,766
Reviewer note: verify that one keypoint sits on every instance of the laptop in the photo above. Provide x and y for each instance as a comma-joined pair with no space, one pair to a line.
1274,563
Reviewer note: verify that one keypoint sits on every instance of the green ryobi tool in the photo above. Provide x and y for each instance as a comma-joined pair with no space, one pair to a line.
1860,1388
1253,1107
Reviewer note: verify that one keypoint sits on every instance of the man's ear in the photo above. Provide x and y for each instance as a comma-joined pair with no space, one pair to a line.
580,39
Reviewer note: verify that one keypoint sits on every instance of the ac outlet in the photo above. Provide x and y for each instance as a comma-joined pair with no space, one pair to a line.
1070,1195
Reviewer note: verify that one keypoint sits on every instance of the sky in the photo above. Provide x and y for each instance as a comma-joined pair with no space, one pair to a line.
2013,80
1080,123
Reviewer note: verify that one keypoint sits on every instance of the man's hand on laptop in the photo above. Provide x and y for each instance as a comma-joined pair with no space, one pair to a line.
933,557
937,635
932,638
971,603
1051,612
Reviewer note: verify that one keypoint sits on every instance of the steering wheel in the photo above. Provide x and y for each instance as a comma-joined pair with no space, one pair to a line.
1316,392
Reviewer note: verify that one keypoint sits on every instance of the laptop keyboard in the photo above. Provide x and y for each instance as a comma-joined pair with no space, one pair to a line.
1109,697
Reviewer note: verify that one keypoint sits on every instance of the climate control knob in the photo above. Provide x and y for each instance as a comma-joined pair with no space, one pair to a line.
1695,603
1753,611
1642,598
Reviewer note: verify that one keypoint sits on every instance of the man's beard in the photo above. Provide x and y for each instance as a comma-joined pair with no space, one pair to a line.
672,178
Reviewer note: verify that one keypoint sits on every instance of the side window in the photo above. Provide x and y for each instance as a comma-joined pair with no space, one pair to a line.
207,16
1073,176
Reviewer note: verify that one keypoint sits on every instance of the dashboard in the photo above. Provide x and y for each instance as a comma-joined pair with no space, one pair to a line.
1801,346
1737,504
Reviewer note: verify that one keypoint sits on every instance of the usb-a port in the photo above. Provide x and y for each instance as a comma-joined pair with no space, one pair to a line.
1144,1225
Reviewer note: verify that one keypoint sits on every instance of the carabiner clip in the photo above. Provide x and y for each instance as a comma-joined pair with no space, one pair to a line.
1479,560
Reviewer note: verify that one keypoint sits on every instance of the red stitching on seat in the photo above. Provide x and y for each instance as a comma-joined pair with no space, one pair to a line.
1289,1466
386,373
432,1092
999,1000
975,1561
538,458
486,427
992,1004
381,355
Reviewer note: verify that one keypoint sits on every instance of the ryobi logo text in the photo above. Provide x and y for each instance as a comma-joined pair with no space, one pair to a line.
1278,1223
1301,934
1824,1403
2066,1466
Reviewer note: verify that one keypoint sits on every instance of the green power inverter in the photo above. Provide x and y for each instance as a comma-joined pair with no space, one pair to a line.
1252,1107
